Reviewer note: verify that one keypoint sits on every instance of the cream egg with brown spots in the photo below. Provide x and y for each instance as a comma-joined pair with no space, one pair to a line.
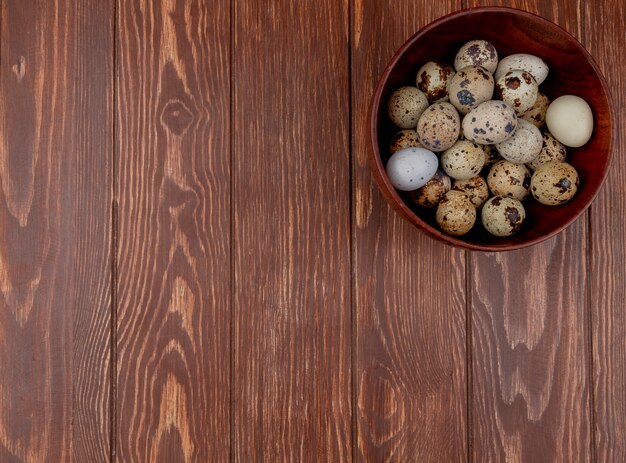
405,107
438,127
490,122
430,194
503,216
554,183
508,179
524,146
470,87
463,160
536,115
519,89
475,188
455,214
552,150
433,78
477,53
404,139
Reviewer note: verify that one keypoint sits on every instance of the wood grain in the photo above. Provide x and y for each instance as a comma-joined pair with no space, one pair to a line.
173,279
530,377
55,194
291,186
604,37
409,290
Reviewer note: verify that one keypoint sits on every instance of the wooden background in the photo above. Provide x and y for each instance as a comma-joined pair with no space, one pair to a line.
195,264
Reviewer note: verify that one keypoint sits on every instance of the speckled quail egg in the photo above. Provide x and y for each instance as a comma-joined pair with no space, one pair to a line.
433,79
503,216
475,188
410,168
455,214
508,179
470,87
478,53
524,146
463,160
405,107
438,127
524,62
536,115
430,194
554,183
490,122
404,139
491,154
518,88
552,150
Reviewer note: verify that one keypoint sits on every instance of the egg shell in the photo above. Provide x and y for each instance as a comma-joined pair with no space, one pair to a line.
554,183
508,179
455,214
552,150
405,107
463,160
519,89
490,122
524,62
503,216
470,87
536,115
433,79
491,154
475,188
438,127
477,53
411,168
570,120
430,194
404,139
524,146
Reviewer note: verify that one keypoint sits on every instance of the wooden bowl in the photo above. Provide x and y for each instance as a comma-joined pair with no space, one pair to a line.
572,71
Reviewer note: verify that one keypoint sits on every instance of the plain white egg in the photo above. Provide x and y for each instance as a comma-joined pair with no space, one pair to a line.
411,168
570,120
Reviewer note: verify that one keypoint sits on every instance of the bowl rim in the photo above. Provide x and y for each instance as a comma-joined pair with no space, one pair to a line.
390,193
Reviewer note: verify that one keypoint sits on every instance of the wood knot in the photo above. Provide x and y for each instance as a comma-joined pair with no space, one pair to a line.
19,69
176,117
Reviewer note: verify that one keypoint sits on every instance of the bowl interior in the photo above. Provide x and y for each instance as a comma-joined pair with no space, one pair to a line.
572,71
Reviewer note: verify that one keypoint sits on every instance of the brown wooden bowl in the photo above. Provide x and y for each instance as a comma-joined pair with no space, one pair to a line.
572,71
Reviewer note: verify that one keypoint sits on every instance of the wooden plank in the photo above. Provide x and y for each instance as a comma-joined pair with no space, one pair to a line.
604,38
55,196
530,389
291,189
409,290
172,157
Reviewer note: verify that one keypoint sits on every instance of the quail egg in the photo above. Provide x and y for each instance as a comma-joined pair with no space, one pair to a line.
536,115
463,160
438,127
405,107
522,61
519,89
455,214
475,188
404,139
433,79
552,150
410,168
524,146
477,53
430,194
491,154
503,216
470,87
490,122
508,179
554,183
570,120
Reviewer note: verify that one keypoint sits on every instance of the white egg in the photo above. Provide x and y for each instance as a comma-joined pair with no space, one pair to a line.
411,168
570,120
